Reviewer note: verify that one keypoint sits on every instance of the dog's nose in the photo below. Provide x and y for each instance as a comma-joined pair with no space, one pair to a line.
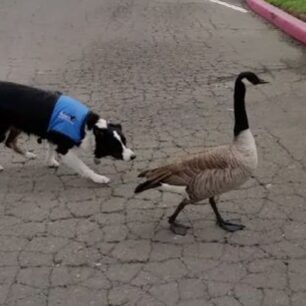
133,156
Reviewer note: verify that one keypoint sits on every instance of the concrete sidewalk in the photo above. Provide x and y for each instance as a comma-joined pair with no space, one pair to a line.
165,69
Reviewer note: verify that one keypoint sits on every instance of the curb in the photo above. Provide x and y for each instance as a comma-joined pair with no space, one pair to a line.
287,23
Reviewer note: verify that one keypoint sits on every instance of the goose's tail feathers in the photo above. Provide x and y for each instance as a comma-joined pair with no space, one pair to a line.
144,173
155,178
146,185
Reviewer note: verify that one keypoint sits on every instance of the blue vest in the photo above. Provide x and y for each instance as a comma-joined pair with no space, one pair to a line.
68,118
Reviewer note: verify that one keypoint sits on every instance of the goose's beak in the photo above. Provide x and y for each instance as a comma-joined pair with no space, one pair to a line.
261,81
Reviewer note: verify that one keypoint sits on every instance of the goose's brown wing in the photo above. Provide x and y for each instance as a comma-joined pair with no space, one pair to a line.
181,173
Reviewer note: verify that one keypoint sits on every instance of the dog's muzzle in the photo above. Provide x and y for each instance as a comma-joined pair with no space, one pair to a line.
128,155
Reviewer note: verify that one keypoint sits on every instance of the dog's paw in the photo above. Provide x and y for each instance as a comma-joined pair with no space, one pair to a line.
100,179
30,155
53,163
1,168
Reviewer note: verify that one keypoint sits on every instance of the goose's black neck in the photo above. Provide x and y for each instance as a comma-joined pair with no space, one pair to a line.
241,118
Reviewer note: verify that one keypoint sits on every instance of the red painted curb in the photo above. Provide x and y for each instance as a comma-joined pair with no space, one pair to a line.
287,23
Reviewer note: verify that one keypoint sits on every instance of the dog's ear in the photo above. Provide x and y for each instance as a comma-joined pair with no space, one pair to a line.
116,126
92,119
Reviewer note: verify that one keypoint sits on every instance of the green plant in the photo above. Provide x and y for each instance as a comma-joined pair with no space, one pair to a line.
294,7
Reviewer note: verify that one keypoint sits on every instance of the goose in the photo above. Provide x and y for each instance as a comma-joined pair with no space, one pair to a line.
216,171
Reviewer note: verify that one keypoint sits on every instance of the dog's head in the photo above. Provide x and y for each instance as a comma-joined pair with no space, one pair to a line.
110,141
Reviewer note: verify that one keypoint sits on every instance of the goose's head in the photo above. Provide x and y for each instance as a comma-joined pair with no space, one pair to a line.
252,78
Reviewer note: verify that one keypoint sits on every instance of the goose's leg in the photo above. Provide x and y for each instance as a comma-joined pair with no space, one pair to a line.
226,225
175,227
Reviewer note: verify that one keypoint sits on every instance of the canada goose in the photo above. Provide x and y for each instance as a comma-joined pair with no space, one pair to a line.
209,174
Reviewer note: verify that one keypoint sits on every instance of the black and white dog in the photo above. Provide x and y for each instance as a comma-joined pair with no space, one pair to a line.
64,122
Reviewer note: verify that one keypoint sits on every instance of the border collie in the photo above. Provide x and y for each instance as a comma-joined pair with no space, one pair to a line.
64,122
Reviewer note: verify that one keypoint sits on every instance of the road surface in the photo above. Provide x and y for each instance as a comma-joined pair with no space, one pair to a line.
165,70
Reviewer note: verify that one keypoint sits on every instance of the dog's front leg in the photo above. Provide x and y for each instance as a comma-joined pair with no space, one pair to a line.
72,161
51,156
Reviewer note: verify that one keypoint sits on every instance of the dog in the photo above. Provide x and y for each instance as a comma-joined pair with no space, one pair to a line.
65,123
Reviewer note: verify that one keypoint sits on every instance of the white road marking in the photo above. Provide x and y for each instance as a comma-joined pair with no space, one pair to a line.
234,7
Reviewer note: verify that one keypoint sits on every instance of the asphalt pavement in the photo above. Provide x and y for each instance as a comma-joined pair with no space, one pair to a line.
165,69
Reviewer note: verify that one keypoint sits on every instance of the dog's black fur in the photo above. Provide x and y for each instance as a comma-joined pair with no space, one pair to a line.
27,109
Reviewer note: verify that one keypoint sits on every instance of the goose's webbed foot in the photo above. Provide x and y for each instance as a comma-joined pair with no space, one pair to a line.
229,226
226,225
179,229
